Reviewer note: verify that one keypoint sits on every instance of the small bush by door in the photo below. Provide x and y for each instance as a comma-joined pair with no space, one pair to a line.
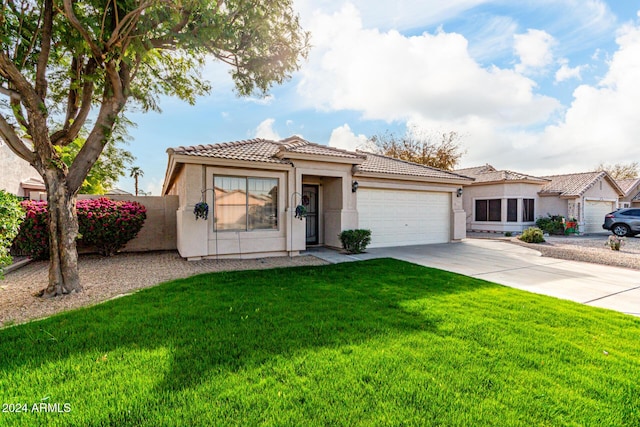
355,241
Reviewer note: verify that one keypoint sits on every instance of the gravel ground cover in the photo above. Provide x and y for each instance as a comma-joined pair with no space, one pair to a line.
589,248
107,278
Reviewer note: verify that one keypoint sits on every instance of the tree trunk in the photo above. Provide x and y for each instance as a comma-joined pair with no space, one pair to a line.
63,231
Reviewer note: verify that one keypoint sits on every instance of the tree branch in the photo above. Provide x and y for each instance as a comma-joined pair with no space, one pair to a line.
10,93
76,117
45,50
75,23
29,97
126,25
113,101
8,133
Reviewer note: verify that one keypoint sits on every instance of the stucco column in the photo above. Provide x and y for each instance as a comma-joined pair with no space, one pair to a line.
458,218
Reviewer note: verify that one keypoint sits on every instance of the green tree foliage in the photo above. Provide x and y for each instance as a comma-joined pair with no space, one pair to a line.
110,166
11,216
62,62
439,151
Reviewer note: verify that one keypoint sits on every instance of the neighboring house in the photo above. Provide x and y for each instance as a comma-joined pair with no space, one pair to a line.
588,197
253,187
18,176
631,190
500,200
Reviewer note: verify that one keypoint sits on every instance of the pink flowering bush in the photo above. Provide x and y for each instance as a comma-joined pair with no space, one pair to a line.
33,237
104,225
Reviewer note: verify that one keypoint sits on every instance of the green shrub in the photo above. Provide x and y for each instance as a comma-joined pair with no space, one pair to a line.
552,224
104,225
508,234
532,235
355,241
11,215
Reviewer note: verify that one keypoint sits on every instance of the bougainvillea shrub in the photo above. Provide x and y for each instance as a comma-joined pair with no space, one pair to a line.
33,237
107,225
104,225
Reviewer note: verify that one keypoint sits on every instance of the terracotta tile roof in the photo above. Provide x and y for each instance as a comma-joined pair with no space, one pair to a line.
571,185
627,185
376,163
478,170
488,173
298,145
254,150
263,150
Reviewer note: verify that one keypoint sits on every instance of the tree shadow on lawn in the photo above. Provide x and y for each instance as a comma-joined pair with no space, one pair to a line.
225,321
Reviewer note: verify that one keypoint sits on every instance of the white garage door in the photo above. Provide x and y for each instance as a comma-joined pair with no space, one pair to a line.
401,218
594,212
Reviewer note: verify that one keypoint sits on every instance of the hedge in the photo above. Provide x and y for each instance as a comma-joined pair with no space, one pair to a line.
104,225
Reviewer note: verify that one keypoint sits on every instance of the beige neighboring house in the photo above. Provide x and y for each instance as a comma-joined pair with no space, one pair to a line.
253,187
631,190
502,200
18,176
588,197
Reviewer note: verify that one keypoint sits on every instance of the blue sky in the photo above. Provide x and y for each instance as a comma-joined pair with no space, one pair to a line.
536,86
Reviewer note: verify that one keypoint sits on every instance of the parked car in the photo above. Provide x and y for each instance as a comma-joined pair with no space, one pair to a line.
623,222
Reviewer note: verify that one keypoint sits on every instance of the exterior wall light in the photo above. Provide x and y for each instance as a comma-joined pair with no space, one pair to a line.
354,186
459,192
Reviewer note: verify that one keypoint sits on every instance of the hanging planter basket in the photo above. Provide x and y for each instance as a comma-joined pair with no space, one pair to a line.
301,212
201,210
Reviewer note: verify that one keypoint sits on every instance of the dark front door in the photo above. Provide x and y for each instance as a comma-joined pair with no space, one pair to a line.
310,200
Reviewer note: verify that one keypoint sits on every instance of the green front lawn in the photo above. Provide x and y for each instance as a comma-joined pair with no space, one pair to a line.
372,343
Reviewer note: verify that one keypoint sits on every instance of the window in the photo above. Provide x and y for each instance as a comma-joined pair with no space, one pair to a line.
488,210
243,203
512,210
528,210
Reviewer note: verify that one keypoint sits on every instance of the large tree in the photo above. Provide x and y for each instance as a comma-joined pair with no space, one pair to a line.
441,151
63,61
621,170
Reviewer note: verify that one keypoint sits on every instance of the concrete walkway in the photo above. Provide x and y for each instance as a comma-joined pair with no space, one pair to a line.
518,267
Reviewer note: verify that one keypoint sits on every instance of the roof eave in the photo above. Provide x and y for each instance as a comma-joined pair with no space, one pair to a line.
290,155
508,181
455,181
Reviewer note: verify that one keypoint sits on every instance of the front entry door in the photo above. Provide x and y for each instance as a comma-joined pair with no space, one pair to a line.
310,201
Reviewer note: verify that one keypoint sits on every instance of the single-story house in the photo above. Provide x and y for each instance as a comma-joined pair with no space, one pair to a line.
631,190
588,197
253,188
502,200
17,176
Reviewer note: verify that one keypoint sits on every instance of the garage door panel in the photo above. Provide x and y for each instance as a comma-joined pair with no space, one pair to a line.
400,218
594,212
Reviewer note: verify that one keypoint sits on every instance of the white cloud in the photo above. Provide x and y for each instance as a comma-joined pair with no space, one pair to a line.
565,72
601,123
534,48
265,130
389,76
343,137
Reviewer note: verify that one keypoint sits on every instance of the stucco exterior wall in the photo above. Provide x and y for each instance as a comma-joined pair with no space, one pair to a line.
159,230
602,191
553,205
14,170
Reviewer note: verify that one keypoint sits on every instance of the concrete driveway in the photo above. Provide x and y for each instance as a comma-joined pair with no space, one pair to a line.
523,268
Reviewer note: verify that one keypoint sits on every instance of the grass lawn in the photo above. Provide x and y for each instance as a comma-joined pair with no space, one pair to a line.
373,343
